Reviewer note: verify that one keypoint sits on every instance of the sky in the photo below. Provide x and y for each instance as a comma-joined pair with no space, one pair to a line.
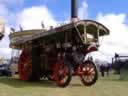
30,13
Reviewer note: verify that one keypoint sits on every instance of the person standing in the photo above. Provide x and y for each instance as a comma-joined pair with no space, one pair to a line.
102,69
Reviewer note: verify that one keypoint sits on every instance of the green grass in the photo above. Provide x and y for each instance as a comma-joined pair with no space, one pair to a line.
104,87
124,75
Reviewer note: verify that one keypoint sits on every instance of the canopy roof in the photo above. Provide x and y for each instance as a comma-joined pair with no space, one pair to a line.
92,27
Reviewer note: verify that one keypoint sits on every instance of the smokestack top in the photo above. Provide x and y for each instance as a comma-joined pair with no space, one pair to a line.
74,9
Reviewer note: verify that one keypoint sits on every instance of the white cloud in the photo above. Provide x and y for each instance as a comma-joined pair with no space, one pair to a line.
4,43
31,18
117,40
5,51
83,10
8,17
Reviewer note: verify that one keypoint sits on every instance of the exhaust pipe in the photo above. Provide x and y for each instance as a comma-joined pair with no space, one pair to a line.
74,16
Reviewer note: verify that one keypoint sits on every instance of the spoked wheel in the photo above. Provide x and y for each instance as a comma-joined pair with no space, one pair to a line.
25,66
89,73
64,74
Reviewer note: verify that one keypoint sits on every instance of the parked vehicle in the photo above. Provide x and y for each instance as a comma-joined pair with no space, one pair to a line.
4,70
119,62
58,53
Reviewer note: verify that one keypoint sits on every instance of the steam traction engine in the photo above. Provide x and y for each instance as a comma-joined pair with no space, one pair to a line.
59,53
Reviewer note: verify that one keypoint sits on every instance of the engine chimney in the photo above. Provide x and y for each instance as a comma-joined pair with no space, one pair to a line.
74,10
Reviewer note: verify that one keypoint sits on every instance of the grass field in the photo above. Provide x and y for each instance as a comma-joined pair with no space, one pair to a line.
104,87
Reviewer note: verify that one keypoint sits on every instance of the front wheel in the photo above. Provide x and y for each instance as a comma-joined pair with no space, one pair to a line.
89,74
64,74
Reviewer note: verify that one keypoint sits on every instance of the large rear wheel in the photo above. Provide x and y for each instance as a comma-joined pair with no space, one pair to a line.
28,67
25,66
89,74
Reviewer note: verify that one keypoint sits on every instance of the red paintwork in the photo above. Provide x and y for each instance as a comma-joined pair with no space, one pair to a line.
90,49
24,65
